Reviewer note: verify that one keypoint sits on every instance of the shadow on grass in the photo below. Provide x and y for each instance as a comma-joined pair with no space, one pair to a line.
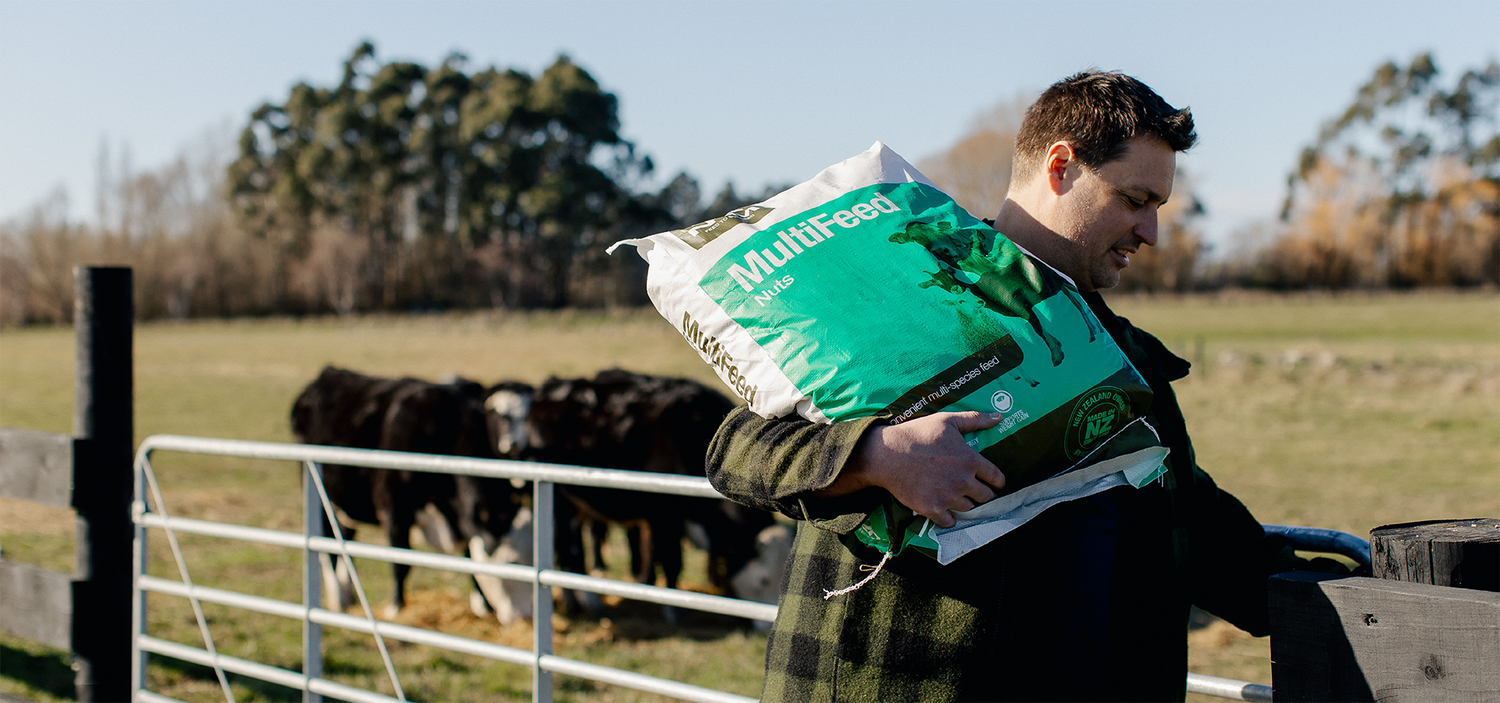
47,672
640,621
256,689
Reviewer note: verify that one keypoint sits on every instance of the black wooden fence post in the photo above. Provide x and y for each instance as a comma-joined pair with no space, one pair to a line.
103,422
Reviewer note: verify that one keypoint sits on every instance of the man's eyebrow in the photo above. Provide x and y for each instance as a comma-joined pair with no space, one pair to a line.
1151,195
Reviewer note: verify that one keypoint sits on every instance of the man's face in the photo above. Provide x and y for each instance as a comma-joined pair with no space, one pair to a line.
1109,213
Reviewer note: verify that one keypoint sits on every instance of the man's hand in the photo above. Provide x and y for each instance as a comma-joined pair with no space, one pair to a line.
925,464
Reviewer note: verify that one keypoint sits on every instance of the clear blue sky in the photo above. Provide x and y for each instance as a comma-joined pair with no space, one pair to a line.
753,92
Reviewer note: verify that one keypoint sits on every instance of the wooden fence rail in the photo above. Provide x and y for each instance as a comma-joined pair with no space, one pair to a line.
1426,629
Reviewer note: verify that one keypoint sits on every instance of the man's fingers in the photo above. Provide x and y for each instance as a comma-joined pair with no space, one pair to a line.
973,420
979,496
991,475
943,515
928,466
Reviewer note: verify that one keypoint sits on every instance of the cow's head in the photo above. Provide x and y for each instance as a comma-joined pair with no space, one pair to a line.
506,409
735,538
760,579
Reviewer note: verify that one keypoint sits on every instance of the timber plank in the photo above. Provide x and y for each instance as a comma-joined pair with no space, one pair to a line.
35,602
1338,638
36,466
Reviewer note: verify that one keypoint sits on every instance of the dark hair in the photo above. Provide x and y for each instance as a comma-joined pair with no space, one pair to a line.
1097,113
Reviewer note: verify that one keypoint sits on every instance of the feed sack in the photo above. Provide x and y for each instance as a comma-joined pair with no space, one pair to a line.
868,291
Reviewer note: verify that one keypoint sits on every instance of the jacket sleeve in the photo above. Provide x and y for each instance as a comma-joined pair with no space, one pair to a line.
774,463
1232,558
1229,558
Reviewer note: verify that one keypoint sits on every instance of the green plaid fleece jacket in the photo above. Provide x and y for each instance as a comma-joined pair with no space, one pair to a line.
920,631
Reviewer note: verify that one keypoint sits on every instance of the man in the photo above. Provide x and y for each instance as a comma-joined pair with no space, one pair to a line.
1088,601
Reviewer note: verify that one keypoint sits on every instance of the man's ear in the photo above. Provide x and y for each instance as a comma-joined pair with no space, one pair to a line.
1059,157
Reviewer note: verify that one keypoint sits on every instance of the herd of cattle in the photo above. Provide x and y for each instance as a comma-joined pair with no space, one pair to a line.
617,420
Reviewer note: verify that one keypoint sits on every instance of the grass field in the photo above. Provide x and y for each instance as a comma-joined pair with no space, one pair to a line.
1342,412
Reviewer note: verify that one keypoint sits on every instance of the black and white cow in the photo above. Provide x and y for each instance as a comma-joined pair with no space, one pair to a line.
624,420
457,513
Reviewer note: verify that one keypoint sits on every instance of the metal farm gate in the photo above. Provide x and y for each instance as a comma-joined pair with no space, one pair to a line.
150,512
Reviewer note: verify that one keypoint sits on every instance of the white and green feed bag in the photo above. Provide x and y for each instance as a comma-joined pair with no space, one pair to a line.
868,291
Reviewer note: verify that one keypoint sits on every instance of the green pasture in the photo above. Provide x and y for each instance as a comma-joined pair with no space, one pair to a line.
1345,412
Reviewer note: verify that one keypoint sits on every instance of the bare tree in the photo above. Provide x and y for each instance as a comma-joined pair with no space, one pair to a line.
13,286
334,271
43,248
1334,237
976,170
1402,189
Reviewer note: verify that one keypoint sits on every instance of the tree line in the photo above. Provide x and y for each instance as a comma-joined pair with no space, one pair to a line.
1401,190
405,187
400,188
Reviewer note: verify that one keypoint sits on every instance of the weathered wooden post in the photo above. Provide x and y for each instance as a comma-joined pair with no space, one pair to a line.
1459,553
1426,629
104,428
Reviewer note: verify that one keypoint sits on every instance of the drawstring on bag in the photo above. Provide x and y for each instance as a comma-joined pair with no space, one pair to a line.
874,571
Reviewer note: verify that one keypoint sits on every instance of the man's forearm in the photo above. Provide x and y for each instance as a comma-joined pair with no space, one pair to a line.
774,464
791,465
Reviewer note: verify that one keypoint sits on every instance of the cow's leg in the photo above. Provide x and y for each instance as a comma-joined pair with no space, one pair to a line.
1010,356
1021,375
568,541
644,567
398,526
437,528
633,538
666,548
483,588
598,534
338,585
652,536
399,572
1053,345
666,537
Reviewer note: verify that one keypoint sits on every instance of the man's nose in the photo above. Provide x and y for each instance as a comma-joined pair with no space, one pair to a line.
1146,228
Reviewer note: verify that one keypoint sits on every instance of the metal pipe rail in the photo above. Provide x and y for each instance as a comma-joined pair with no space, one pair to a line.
1227,688
540,658
513,572
414,635
1318,539
432,463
